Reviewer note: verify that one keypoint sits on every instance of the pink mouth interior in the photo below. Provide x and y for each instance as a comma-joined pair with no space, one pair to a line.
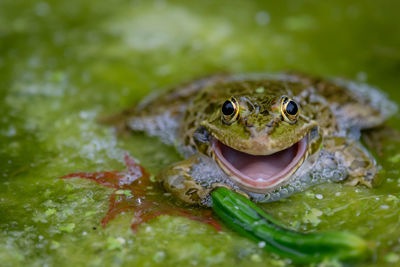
260,171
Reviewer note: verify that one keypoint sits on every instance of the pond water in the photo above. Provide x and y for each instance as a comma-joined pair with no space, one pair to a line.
64,64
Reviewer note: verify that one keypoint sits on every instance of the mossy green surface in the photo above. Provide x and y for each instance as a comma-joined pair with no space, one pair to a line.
63,64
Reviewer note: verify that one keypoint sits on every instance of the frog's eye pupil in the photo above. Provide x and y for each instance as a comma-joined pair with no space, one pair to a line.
230,111
292,108
289,110
228,108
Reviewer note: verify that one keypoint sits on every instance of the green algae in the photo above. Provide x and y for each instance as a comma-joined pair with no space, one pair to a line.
63,64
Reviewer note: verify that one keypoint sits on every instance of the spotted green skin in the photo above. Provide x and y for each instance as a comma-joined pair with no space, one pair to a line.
189,116
260,129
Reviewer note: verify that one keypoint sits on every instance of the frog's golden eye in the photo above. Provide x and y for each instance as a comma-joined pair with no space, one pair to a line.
230,111
289,110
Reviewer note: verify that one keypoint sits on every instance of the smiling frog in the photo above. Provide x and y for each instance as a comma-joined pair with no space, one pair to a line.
265,136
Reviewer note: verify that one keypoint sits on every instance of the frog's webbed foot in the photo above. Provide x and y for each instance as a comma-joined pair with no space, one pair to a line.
360,165
177,180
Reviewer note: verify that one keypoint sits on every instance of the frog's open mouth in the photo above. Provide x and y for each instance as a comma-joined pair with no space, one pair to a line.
260,173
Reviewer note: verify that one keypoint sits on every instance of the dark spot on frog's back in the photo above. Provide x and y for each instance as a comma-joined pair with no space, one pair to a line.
187,140
248,122
267,102
270,124
210,108
191,124
264,112
187,115
204,95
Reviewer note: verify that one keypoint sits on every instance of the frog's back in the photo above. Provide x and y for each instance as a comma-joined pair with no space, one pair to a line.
175,114
354,104
337,105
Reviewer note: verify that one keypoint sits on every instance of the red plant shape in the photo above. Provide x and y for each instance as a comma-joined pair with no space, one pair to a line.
135,192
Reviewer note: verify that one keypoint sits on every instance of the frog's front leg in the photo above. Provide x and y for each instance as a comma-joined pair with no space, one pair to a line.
177,180
360,165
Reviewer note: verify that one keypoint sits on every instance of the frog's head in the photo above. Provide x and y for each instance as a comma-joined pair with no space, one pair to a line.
259,138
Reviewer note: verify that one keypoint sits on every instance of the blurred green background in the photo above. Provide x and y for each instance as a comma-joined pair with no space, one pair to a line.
63,64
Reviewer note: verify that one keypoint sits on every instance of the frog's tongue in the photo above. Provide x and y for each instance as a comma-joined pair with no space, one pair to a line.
259,173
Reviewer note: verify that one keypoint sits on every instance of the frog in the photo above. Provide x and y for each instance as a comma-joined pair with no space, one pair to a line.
265,136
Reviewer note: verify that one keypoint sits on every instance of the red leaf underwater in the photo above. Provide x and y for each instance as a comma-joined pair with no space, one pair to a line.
138,194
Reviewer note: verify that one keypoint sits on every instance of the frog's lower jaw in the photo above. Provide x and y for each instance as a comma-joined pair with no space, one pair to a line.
260,174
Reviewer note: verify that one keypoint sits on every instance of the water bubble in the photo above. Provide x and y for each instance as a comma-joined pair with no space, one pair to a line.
261,244
319,196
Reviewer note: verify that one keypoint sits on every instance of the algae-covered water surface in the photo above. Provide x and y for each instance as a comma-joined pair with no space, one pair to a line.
65,64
